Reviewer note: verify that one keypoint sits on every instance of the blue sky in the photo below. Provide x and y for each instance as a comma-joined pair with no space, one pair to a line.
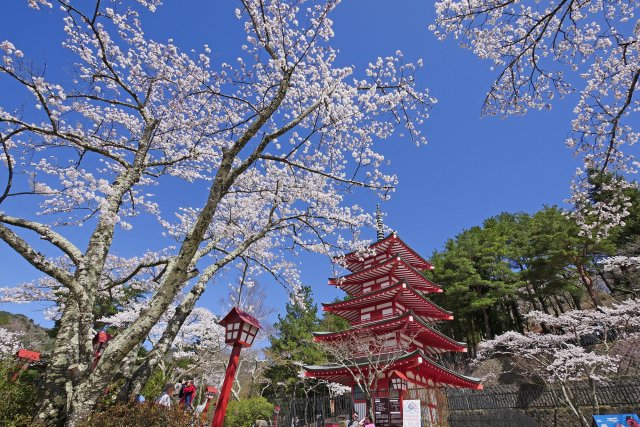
472,167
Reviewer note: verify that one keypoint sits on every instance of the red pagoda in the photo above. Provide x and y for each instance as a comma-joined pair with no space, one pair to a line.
388,300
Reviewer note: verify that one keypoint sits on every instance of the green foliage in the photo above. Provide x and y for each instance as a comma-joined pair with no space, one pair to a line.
155,385
293,342
245,412
332,323
18,398
515,262
146,414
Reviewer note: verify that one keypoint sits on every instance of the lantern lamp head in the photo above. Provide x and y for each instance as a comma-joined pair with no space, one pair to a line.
23,353
399,381
240,327
210,392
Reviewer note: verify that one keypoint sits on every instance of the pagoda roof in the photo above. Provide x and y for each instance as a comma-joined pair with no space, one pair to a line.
414,326
352,283
416,366
401,292
392,244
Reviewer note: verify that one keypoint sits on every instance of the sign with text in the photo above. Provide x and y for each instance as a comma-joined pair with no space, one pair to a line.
395,413
616,420
411,414
387,412
381,411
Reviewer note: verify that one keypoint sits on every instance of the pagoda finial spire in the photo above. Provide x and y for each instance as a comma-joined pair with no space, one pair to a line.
379,225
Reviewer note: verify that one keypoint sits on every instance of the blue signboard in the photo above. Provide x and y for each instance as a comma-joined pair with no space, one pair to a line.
616,420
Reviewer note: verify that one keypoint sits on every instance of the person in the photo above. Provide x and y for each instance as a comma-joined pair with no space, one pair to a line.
366,422
187,393
354,421
631,422
165,397
140,398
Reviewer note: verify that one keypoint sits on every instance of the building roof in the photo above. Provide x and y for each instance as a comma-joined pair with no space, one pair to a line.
390,245
410,324
396,266
401,292
419,369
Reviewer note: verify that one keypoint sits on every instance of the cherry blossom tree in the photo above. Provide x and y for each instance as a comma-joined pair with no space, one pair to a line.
543,50
266,151
562,358
9,343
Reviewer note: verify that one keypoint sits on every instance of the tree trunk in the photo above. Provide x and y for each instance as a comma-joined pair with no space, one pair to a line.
487,324
58,384
519,322
141,375
576,301
532,296
587,281
574,408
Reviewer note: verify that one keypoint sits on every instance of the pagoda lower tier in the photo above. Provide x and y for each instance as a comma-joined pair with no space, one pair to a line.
406,332
416,366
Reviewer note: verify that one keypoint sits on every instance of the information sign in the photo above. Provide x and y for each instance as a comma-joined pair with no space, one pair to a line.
411,414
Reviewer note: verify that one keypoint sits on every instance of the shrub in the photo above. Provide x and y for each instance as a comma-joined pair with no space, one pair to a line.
245,412
146,414
18,398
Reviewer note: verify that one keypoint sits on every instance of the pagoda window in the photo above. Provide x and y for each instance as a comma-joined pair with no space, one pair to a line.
358,393
365,316
387,312
366,290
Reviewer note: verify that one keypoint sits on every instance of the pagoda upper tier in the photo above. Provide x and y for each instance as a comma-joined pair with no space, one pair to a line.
383,274
387,302
382,250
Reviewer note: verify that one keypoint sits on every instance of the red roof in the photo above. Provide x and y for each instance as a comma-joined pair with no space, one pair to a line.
236,313
401,293
409,324
23,353
389,246
418,368
396,267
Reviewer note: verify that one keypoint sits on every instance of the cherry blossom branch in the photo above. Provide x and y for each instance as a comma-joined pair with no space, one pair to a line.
46,233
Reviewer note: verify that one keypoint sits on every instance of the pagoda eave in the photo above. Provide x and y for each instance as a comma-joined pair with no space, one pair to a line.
401,293
391,244
409,323
418,368
395,266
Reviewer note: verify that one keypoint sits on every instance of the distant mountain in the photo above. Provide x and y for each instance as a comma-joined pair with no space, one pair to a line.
34,336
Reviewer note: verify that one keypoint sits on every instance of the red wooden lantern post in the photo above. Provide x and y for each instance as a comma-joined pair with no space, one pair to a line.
27,357
100,342
276,411
209,393
240,330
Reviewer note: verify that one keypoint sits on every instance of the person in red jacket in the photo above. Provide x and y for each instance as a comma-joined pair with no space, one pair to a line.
187,392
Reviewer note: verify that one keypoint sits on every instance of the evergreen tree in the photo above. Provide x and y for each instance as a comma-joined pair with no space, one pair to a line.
292,344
